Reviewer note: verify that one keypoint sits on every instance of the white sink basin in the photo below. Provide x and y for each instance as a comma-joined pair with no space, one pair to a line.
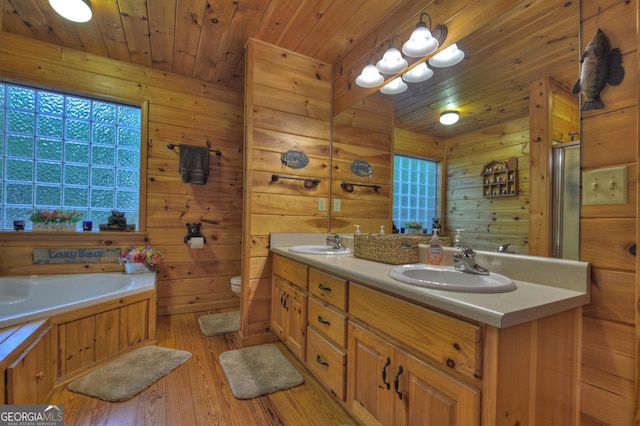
448,278
311,249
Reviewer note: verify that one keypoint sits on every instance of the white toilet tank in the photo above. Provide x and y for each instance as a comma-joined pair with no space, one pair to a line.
236,285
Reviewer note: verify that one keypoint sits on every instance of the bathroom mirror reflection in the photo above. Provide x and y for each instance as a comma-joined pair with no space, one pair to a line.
504,61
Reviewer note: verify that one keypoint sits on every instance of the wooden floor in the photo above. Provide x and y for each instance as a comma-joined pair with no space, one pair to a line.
197,392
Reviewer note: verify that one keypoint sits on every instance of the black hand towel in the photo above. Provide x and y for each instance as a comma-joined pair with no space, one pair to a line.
194,164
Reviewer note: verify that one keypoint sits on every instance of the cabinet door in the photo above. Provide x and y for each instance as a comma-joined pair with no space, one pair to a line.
426,396
296,309
278,308
31,377
370,370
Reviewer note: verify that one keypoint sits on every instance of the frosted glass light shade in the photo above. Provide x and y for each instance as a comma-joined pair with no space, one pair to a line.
394,87
392,62
418,74
449,117
421,42
369,77
73,10
448,57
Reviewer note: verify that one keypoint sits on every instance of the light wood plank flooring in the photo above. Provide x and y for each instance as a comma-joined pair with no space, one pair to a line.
197,392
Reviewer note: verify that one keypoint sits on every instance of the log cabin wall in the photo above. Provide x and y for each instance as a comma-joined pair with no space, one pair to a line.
487,221
611,324
287,108
363,132
180,110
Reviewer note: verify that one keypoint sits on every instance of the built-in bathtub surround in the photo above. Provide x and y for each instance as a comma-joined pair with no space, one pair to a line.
27,298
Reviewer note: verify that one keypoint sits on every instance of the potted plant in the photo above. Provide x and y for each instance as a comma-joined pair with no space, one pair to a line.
139,259
54,220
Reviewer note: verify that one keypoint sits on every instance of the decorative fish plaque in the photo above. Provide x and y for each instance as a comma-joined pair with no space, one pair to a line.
294,159
599,65
361,168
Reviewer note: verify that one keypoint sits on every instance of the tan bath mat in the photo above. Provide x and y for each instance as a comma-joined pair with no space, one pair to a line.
223,323
129,375
258,370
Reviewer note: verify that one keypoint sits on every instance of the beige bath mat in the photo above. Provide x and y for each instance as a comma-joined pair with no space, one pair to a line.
258,370
223,323
129,375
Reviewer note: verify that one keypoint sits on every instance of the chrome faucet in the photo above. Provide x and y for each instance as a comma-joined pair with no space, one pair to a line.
464,262
334,240
504,248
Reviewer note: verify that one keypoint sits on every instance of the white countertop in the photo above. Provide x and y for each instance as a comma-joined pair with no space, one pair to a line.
559,284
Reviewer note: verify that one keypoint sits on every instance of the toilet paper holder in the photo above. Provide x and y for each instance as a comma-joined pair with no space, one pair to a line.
193,230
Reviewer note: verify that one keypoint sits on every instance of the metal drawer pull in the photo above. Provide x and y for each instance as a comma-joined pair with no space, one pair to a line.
321,362
322,287
323,321
384,373
396,383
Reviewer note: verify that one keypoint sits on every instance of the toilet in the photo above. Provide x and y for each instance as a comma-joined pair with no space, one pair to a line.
236,285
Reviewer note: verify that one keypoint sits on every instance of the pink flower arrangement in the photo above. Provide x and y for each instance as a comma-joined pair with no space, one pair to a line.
55,216
142,254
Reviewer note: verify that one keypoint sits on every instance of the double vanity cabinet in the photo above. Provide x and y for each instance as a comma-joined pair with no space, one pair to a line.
394,360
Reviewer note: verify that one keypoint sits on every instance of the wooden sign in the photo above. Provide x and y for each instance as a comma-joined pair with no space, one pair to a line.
76,255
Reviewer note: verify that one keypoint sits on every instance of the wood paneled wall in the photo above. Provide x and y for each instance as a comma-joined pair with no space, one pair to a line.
487,222
363,132
611,325
287,107
180,110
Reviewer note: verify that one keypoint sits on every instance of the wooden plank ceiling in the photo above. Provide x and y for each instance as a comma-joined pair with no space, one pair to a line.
205,40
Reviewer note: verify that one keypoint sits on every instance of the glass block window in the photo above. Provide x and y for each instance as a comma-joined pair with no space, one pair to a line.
415,187
62,151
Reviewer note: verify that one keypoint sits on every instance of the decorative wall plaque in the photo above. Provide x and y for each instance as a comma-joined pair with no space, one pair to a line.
361,168
294,159
76,255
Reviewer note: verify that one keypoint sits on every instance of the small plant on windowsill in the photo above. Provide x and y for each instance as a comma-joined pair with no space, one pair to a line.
413,227
54,220
141,259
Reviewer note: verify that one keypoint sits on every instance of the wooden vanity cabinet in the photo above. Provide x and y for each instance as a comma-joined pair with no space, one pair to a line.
389,386
327,332
289,304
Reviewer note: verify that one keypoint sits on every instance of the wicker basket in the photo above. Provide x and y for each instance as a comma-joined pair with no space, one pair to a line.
393,249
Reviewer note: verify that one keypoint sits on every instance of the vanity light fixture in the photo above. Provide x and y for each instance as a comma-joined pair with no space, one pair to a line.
420,73
421,42
392,61
73,10
370,76
448,57
449,117
394,87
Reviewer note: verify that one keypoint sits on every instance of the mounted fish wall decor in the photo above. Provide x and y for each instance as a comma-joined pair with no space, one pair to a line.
599,65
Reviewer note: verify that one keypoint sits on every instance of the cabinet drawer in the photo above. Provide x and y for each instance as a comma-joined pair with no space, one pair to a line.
331,322
290,270
327,362
448,341
329,288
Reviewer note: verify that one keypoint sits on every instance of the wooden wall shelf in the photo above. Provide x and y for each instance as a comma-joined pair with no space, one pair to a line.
500,178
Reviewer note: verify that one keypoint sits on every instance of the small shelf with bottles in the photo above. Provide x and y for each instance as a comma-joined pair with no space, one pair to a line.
500,178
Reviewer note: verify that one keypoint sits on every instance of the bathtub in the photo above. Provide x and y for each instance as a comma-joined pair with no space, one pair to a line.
26,298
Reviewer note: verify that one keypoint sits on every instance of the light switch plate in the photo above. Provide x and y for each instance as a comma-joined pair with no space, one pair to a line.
322,204
337,204
605,186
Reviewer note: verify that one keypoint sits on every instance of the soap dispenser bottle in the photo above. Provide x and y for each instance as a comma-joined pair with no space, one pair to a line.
457,240
382,230
357,231
435,255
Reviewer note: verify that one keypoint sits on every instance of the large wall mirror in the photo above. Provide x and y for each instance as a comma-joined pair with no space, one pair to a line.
490,89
